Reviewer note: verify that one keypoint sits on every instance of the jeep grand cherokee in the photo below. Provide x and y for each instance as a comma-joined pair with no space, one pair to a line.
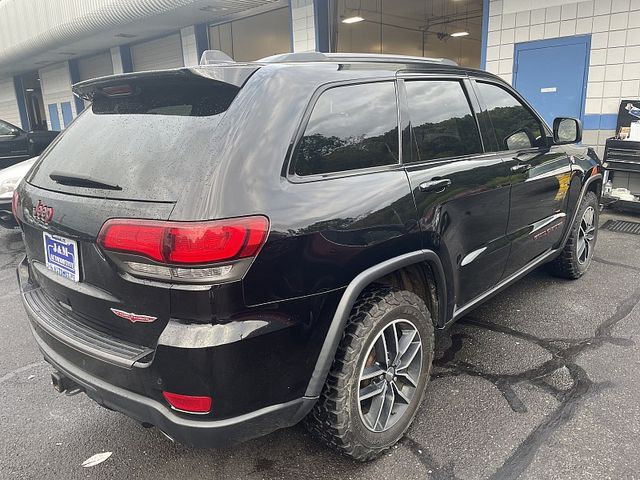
228,249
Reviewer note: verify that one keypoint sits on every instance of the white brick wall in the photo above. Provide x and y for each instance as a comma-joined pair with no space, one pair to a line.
303,23
614,25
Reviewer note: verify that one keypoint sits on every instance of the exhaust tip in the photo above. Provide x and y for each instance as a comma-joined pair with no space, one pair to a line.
57,382
63,384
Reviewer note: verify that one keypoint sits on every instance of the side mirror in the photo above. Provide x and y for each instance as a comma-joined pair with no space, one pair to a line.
15,132
567,130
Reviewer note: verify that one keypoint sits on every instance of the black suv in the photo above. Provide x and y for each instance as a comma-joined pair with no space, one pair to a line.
225,250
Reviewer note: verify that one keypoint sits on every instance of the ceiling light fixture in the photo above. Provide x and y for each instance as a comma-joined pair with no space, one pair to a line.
354,19
460,34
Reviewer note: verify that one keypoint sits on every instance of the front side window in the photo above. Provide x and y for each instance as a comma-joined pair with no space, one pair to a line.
515,126
5,128
351,127
442,121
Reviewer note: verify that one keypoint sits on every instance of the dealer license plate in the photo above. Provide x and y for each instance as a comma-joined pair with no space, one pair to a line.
61,256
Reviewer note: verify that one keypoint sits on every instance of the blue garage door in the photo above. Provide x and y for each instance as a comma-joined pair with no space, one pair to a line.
552,75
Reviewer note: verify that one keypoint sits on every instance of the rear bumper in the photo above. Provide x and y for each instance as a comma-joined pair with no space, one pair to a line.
191,432
185,429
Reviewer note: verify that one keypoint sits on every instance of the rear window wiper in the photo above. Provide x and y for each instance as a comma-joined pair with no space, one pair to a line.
76,180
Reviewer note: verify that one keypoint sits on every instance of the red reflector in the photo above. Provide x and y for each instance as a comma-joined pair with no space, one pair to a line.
188,403
186,243
14,204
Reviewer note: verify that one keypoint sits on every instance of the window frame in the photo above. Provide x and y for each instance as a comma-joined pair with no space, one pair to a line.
544,128
474,108
289,169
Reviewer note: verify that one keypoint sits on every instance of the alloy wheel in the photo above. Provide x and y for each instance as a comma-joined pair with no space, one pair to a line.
389,377
586,235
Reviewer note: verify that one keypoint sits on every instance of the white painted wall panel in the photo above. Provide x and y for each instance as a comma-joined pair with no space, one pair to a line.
165,52
95,66
8,103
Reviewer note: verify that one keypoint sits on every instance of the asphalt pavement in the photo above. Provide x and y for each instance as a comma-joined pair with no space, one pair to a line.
542,382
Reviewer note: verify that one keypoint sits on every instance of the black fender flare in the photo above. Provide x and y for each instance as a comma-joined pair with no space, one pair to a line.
351,294
583,192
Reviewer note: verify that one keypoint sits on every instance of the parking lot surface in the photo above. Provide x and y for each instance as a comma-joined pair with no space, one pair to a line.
543,381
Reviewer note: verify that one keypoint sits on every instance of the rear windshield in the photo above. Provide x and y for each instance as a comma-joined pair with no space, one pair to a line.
143,145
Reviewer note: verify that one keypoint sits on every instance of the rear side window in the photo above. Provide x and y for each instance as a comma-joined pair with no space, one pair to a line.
351,127
515,126
442,121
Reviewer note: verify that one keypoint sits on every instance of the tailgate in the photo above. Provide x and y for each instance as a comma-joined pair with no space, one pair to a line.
65,223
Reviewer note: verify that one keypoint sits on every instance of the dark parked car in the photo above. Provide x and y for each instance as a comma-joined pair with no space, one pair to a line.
17,145
225,250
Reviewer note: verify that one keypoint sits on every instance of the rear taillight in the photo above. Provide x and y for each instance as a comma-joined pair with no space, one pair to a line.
186,243
184,250
14,204
188,403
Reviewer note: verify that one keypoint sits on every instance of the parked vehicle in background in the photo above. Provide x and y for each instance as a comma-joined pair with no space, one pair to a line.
10,177
17,145
288,250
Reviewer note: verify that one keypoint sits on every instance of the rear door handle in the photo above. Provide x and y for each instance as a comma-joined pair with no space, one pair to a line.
521,168
436,186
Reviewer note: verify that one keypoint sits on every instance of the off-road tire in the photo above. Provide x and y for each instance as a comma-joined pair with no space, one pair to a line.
335,419
567,264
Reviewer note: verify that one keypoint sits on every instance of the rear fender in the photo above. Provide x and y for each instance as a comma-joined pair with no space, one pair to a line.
351,294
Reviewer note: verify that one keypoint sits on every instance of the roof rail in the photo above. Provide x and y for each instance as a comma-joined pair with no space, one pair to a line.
353,58
210,57
295,57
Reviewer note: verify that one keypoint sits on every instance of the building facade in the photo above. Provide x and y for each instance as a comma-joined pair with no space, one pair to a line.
46,47
588,51
568,58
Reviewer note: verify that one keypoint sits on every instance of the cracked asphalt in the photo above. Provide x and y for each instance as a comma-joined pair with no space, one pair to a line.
541,382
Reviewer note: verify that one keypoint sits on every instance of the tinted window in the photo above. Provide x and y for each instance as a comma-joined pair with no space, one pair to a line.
514,125
350,127
150,143
442,121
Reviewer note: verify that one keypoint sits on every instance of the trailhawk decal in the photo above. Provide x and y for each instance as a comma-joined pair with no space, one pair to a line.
548,230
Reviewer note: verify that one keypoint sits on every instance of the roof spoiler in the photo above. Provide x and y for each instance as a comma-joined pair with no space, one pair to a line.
124,84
